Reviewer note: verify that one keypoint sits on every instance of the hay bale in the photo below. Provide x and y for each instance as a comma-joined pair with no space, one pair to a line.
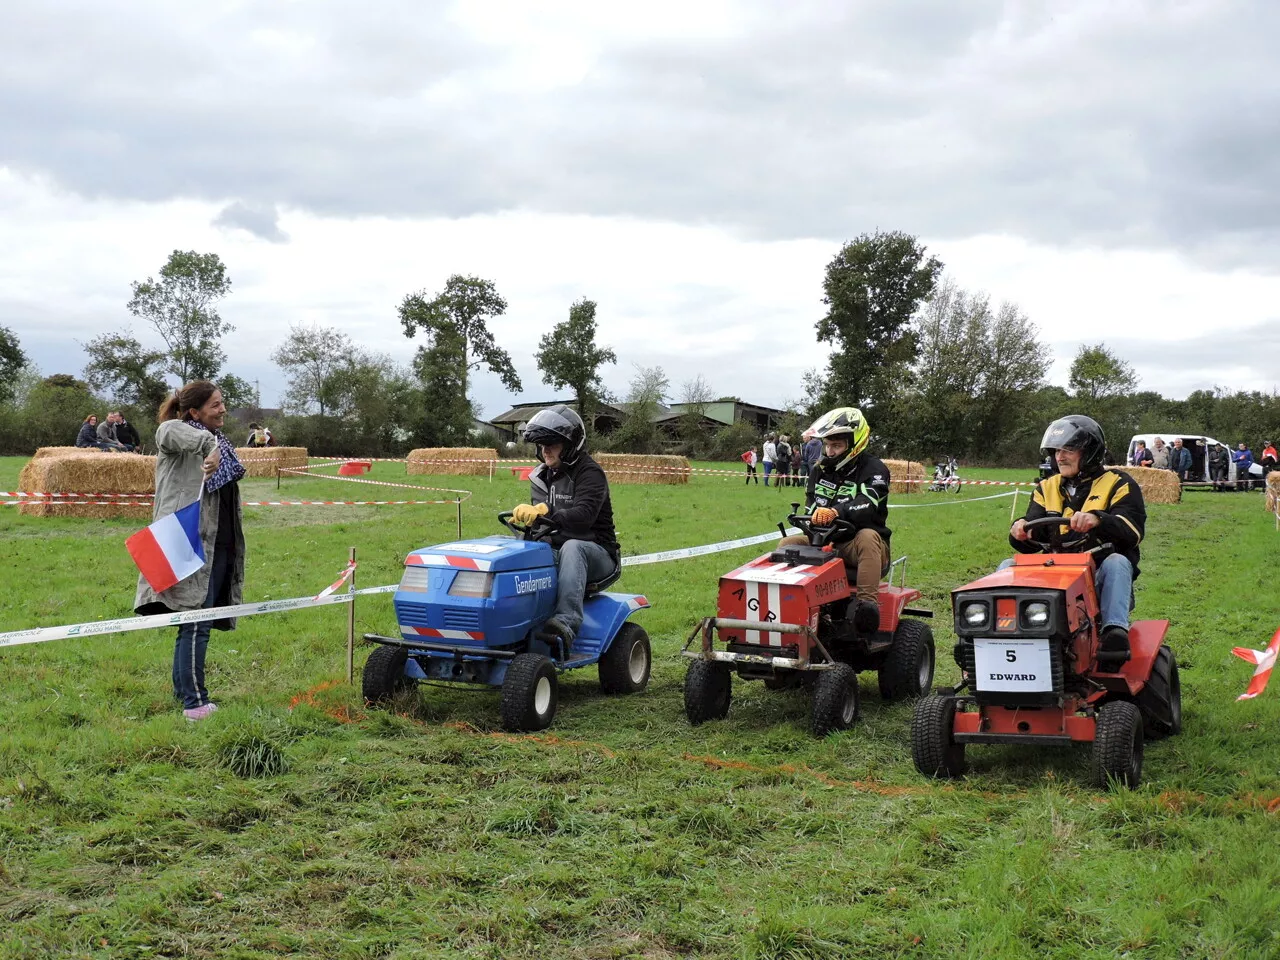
63,451
450,461
1273,492
90,471
1158,486
905,476
263,461
637,468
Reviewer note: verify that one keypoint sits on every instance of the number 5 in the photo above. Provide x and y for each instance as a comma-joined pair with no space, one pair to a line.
1010,656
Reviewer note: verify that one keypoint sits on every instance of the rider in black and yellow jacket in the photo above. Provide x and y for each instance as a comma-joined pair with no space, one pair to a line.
1101,506
850,484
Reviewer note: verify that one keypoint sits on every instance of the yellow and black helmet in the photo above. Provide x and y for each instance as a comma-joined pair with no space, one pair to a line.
843,421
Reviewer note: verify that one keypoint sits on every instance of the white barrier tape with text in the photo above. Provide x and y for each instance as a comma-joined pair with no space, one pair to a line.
129,624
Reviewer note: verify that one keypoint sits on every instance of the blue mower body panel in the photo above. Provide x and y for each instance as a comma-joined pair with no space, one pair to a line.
485,599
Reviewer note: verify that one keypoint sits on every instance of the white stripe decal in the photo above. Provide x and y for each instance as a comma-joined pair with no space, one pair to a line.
752,593
775,608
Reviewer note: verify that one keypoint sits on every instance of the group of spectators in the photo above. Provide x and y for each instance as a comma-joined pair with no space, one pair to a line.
1176,457
789,463
114,434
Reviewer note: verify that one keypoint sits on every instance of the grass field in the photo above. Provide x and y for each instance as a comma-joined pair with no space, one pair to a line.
295,823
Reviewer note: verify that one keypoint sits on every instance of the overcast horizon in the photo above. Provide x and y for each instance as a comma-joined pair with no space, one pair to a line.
1109,167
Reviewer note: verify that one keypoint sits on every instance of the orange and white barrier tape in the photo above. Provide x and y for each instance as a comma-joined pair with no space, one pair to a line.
346,574
1263,660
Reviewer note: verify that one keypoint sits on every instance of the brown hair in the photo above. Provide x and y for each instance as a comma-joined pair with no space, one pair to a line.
92,416
191,397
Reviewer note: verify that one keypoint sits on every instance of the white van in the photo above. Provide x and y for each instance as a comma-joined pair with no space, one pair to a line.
1197,444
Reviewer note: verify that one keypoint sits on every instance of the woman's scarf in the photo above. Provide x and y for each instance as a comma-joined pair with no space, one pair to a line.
230,469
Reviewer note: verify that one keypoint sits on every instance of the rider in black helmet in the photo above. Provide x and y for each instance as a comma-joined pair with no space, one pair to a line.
1103,504
572,492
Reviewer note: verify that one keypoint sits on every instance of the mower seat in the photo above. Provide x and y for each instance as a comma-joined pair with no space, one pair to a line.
604,582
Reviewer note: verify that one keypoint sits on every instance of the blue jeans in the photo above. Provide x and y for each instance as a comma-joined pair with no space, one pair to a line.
768,469
580,562
1115,589
193,640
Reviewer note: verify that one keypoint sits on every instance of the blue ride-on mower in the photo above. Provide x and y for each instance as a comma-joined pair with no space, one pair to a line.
473,611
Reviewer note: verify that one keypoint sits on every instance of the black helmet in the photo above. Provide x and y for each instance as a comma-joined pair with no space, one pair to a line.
1075,432
558,424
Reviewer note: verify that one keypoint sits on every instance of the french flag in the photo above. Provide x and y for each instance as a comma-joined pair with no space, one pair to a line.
169,550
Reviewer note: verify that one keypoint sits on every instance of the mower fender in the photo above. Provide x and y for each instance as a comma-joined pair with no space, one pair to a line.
603,615
1145,638
892,600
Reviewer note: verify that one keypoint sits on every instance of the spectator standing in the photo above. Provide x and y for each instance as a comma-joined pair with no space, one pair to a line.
782,462
195,461
749,458
812,451
797,461
1269,460
1141,455
1243,460
1180,460
770,451
1160,455
1219,463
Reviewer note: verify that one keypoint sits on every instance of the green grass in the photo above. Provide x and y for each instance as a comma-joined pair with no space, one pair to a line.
275,832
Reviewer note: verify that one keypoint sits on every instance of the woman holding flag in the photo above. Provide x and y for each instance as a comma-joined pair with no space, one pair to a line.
197,521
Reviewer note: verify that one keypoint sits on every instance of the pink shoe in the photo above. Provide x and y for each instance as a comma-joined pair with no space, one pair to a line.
199,713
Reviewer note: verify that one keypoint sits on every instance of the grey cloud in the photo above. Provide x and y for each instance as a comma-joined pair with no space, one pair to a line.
1148,124
260,220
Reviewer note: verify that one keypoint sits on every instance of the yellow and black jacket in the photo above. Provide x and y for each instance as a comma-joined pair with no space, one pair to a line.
1113,496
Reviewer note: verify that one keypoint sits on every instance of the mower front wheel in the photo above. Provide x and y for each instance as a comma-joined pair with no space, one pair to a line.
907,671
835,699
1161,699
384,675
707,691
530,693
625,666
1117,745
933,745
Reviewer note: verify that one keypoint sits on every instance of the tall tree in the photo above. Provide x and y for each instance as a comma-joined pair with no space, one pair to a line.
181,306
237,393
696,395
12,359
1098,374
446,414
648,391
131,375
569,358
460,315
310,357
873,287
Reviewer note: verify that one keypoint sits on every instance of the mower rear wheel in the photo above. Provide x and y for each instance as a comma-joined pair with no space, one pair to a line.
707,691
384,675
835,699
1161,699
530,693
933,745
1117,745
907,671
625,666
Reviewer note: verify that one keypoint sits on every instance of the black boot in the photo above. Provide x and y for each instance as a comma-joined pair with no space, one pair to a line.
866,617
1113,650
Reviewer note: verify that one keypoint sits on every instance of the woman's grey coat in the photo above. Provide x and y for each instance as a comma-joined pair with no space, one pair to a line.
178,478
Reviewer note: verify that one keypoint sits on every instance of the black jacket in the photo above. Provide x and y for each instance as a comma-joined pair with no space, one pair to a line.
578,495
1113,496
859,493
126,434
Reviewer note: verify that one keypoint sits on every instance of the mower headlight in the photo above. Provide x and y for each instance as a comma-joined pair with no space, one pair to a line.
1035,614
471,583
974,614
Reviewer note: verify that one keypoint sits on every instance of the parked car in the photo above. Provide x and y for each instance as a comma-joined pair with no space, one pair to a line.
1198,444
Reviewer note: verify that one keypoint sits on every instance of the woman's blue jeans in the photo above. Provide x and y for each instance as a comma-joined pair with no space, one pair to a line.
193,640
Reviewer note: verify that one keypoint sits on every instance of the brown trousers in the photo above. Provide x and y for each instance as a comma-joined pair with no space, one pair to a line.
866,553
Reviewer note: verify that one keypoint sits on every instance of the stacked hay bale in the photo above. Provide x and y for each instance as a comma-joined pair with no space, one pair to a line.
451,461
263,461
637,468
1158,486
63,451
90,471
905,476
1273,492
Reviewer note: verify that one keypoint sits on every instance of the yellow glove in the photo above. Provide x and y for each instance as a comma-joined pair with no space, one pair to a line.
823,517
525,514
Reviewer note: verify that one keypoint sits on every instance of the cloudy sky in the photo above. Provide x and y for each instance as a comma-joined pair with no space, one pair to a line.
1112,167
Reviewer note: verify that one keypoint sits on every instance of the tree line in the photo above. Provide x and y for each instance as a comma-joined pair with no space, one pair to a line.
939,370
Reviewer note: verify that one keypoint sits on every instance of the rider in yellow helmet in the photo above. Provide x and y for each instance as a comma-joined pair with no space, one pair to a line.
852,485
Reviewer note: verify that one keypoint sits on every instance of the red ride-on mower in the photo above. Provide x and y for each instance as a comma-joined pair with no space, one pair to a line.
1027,649
787,618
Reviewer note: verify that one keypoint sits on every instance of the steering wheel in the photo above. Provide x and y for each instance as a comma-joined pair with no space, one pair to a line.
1056,543
818,536
525,531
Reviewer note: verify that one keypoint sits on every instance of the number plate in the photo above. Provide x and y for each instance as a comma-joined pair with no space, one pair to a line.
1017,666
